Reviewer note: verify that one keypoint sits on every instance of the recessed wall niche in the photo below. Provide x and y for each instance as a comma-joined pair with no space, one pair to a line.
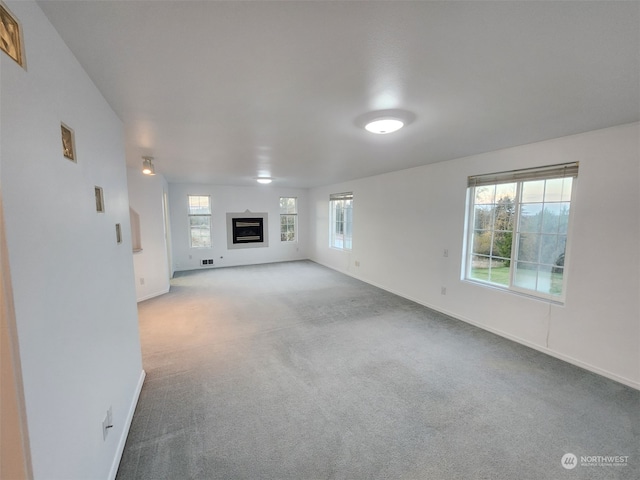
68,143
136,239
247,230
99,200
118,234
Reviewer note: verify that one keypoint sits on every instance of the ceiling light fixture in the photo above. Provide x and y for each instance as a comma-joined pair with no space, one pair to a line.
264,180
384,125
147,166
382,122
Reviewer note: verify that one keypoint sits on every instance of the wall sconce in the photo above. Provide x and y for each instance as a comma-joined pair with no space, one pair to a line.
147,166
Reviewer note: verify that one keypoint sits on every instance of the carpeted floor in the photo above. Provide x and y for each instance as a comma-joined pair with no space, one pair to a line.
294,371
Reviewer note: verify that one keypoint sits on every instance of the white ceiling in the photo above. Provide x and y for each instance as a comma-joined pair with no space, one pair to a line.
221,92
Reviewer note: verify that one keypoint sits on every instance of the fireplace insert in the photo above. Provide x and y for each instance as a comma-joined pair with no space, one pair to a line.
248,230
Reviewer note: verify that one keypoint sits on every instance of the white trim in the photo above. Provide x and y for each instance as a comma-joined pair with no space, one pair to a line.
566,358
154,294
127,425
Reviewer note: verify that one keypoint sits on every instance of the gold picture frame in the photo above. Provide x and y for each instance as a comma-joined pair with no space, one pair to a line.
10,36
68,143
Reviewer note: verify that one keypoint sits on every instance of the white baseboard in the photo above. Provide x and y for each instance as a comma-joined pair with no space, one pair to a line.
154,294
127,425
566,358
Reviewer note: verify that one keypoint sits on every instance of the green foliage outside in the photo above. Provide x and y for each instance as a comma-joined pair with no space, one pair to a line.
499,275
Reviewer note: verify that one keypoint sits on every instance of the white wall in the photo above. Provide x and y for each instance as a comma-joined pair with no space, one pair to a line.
73,287
599,325
224,199
151,265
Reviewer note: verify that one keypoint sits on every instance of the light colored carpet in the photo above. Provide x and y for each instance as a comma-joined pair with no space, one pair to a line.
294,371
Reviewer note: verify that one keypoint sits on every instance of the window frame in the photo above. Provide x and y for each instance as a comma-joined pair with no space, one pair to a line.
520,177
207,216
289,216
347,221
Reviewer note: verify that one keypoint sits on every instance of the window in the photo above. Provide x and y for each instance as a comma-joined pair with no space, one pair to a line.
518,228
288,219
341,220
200,221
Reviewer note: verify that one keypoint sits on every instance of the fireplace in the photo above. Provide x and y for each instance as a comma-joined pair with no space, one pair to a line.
248,230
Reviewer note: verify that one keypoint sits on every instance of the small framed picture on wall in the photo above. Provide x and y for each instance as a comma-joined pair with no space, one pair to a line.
10,36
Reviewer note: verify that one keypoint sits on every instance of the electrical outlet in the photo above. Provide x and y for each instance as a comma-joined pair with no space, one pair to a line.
357,263
446,252
107,423
443,290
141,280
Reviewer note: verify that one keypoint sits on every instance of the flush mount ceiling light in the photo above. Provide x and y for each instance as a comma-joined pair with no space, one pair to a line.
147,166
384,125
264,180
382,122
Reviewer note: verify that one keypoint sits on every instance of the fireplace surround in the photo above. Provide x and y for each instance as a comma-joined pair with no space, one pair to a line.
247,230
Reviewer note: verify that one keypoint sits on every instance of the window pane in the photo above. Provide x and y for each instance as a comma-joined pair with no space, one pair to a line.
288,205
557,280
567,185
501,246
530,217
489,269
506,191
482,242
548,249
526,275
551,217
288,228
528,247
199,205
550,280
200,231
479,268
483,217
499,273
553,190
533,191
485,194
504,214
563,220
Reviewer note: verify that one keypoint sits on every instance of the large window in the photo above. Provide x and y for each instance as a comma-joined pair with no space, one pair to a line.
518,229
341,220
200,221
288,219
